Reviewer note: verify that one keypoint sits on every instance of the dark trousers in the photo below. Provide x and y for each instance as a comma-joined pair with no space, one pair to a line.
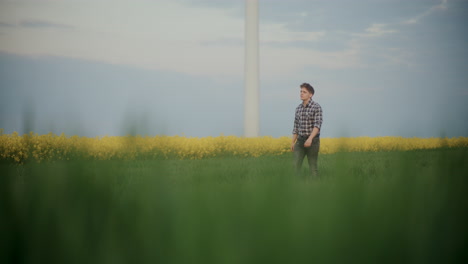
311,152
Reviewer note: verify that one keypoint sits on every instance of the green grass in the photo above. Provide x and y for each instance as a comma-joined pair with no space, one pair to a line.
366,207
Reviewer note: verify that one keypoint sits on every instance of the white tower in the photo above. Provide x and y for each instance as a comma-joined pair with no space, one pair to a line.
251,108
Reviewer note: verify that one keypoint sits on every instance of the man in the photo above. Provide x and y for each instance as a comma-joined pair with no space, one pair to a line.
306,132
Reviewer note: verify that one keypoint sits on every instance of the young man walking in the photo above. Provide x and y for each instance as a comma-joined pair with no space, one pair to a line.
306,132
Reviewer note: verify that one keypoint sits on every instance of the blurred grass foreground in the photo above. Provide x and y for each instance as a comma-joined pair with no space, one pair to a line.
64,203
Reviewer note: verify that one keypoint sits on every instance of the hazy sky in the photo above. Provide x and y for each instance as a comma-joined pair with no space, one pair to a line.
175,67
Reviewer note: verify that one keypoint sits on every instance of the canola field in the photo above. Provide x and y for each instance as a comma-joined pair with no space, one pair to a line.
18,148
226,199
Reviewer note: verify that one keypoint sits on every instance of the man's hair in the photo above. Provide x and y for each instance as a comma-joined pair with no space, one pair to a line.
308,87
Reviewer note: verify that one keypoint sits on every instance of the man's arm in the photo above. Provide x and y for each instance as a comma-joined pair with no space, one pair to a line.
314,133
295,130
318,119
294,138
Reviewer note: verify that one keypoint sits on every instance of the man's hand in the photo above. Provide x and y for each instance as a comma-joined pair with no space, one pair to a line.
308,142
294,138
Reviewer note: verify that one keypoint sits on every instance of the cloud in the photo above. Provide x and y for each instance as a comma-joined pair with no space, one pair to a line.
176,36
376,43
37,23
291,61
416,19
204,37
225,42
156,35
7,25
377,30
279,33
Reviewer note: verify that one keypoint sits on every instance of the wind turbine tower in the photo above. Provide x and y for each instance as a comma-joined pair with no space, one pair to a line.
251,108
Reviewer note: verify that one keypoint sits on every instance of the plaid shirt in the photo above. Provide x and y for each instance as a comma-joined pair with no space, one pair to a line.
307,117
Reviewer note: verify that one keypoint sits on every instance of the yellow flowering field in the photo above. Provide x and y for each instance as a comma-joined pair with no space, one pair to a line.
18,148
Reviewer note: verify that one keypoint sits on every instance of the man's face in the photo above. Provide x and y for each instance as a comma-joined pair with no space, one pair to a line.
305,95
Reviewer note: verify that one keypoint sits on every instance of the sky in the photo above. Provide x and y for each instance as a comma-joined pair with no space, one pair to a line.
176,67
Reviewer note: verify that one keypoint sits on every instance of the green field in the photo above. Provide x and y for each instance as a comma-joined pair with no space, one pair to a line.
367,207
